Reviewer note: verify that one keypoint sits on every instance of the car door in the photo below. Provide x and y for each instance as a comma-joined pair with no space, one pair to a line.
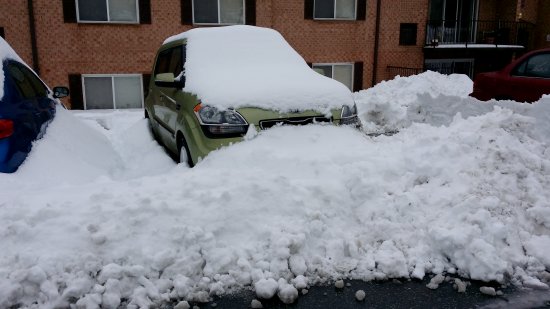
530,79
44,105
21,104
28,115
164,106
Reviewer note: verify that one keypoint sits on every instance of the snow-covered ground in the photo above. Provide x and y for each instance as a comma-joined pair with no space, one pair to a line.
99,213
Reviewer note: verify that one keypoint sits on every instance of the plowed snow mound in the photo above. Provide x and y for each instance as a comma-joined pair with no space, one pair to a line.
461,189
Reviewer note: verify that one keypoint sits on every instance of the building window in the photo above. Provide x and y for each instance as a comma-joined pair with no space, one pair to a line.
112,91
342,72
407,34
2,34
219,12
107,11
334,9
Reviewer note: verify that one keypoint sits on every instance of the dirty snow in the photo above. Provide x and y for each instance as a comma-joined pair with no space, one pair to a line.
99,214
256,68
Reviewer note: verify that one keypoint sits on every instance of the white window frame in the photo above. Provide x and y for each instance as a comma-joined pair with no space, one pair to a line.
108,21
334,18
337,64
112,76
219,15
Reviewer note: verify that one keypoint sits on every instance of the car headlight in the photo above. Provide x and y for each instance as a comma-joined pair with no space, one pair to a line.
349,115
216,123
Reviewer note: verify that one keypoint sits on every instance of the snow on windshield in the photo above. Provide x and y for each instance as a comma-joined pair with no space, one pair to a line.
6,52
99,215
239,66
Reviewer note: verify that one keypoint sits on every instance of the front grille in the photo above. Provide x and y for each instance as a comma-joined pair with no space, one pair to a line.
294,121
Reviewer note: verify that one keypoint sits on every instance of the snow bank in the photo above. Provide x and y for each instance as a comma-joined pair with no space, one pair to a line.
290,207
436,99
91,147
384,107
6,52
239,66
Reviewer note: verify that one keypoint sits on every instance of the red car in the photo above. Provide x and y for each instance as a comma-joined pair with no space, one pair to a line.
524,80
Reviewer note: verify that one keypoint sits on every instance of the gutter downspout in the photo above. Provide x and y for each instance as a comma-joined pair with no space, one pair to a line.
34,47
376,42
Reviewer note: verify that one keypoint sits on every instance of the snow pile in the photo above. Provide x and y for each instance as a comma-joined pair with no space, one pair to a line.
239,66
384,107
436,99
128,134
290,207
113,145
6,52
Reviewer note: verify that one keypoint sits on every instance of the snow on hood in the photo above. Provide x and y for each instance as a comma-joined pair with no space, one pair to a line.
240,66
6,52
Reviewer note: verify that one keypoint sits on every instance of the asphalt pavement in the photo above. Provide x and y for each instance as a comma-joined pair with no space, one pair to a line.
393,294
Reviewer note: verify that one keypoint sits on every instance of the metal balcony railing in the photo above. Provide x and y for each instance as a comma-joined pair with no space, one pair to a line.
393,71
494,32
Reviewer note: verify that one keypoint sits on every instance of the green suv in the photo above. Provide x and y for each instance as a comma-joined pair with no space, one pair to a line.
210,86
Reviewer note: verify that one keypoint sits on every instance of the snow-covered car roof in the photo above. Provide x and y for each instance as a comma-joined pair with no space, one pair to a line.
6,52
240,66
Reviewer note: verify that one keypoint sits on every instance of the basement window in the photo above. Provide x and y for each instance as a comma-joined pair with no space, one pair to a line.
107,11
342,72
335,9
117,91
2,34
218,12
407,34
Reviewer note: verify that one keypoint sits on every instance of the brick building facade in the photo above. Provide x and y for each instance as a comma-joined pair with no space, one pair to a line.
374,40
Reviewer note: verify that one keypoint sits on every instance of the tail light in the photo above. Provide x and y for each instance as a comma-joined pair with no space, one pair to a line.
6,128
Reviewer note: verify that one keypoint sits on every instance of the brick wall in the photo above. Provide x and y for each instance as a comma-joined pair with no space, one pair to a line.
325,41
391,53
529,10
14,18
543,25
507,9
66,48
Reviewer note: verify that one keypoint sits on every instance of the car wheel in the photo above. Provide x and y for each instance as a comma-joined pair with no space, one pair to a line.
184,156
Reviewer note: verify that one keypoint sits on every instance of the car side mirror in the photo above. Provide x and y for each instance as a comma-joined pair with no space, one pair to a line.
60,92
168,80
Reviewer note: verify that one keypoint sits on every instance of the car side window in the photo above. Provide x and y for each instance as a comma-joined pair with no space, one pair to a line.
28,85
535,66
170,61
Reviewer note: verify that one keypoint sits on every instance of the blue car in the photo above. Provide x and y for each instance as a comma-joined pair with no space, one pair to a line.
27,106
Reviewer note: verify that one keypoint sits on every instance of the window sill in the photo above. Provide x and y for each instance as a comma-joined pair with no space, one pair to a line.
214,24
336,19
86,22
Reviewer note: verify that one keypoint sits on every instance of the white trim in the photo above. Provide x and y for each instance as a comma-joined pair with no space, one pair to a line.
113,91
83,91
333,64
108,21
112,76
108,11
334,13
219,15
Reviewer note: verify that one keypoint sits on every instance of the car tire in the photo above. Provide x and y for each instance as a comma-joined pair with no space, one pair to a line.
184,157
